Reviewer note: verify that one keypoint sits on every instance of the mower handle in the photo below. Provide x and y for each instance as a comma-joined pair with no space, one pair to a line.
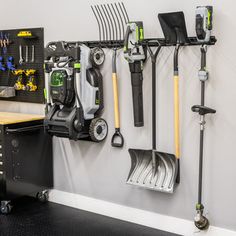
119,136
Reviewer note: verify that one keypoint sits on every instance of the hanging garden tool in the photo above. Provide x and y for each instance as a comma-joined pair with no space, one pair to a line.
117,138
203,30
145,168
135,55
110,19
150,168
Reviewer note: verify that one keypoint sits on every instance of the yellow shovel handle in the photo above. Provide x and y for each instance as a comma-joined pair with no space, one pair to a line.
116,100
176,115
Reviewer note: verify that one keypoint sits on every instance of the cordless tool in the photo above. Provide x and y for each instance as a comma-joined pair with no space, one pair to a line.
203,31
135,54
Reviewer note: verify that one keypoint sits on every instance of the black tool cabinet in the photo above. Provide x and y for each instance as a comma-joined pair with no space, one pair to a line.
25,162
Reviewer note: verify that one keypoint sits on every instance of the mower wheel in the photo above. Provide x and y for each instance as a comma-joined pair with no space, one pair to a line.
97,56
98,129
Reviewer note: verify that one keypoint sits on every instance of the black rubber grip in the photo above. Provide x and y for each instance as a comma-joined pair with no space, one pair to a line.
137,92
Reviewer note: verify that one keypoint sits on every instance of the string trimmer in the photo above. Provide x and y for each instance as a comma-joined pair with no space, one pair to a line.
203,30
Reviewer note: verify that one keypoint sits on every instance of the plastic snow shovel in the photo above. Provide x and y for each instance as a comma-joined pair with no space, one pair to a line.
150,168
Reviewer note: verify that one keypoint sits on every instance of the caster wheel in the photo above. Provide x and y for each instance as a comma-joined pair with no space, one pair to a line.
6,208
202,224
42,196
98,129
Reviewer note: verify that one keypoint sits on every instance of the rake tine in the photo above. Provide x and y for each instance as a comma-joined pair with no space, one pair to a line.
122,23
113,20
117,20
105,26
125,11
103,31
112,27
123,14
99,26
108,23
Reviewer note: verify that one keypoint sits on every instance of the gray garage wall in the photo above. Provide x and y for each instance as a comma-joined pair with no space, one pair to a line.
100,171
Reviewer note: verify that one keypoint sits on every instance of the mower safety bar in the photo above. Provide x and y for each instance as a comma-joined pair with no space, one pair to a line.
60,49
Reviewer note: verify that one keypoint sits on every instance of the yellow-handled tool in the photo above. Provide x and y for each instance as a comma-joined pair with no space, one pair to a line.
176,110
117,138
176,115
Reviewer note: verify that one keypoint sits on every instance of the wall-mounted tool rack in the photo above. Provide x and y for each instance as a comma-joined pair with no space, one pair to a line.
31,43
151,42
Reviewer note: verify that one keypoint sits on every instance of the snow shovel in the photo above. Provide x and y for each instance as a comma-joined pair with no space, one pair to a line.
150,168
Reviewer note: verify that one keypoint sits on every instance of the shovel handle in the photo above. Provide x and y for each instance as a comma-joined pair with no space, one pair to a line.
176,115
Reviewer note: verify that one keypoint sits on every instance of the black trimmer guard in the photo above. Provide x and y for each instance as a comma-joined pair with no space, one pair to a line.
161,177
174,27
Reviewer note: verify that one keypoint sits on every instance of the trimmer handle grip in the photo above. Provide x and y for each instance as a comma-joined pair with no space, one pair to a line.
203,110
137,92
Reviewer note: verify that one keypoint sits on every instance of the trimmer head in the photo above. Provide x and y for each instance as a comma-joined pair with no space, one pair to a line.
159,177
174,27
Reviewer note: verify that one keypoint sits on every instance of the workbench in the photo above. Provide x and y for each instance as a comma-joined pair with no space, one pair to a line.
26,166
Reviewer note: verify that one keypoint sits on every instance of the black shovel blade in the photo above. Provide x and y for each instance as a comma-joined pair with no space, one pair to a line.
159,175
173,27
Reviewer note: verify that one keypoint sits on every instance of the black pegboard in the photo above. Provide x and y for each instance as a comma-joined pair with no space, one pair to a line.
8,79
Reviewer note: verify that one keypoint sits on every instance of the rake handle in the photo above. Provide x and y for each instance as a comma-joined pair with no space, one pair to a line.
116,100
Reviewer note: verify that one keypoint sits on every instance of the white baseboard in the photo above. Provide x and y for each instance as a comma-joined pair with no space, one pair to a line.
137,216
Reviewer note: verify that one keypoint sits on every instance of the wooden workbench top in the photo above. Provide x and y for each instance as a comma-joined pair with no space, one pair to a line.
12,118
